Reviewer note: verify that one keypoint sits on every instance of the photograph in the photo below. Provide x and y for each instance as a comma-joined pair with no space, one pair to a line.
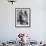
22,17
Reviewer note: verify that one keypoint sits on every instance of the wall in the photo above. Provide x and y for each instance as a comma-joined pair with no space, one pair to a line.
8,31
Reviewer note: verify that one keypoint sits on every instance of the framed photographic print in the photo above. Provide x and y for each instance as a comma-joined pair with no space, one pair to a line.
22,17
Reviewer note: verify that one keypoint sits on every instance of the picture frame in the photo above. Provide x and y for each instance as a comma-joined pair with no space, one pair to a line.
22,17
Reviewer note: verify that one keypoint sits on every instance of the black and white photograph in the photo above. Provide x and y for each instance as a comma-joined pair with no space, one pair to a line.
22,17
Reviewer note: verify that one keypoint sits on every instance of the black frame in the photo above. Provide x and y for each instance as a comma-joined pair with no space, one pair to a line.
29,18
